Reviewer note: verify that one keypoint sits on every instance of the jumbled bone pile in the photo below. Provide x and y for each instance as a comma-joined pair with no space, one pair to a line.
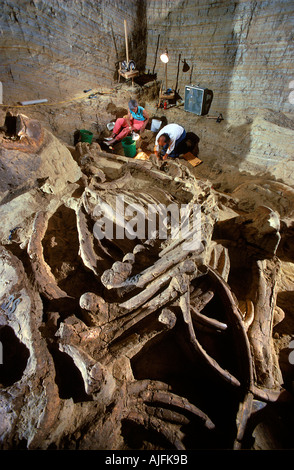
137,341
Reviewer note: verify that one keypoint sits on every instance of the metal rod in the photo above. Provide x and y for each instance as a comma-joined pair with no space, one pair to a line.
24,103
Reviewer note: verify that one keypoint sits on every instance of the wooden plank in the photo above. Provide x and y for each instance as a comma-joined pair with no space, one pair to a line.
163,96
194,161
130,74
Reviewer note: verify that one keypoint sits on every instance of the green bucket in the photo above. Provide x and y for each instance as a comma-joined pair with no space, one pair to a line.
129,146
86,136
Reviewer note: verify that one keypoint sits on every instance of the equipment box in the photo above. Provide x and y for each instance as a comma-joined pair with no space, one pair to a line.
197,99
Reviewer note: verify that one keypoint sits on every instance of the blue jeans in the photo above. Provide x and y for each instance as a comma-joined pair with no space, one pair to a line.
175,152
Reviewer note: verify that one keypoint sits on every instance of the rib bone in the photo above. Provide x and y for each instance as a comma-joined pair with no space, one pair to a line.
43,275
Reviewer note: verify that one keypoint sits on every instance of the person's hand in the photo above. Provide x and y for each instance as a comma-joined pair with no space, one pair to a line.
164,157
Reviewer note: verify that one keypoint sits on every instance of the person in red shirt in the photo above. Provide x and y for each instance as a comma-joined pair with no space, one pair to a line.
136,120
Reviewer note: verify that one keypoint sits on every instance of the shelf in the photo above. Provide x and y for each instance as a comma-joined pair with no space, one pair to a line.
163,96
128,75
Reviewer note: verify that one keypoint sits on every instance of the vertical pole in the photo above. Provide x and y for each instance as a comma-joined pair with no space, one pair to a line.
126,40
165,77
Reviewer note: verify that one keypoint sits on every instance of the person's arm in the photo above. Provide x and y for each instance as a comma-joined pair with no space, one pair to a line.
145,114
169,149
156,151
171,146
129,119
156,146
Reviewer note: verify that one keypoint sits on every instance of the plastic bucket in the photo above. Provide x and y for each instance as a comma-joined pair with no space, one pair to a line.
86,136
110,126
129,146
155,125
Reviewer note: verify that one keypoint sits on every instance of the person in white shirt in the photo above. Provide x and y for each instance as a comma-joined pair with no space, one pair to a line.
169,138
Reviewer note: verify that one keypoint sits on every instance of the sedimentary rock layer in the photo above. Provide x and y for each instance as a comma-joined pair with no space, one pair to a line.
241,50
56,48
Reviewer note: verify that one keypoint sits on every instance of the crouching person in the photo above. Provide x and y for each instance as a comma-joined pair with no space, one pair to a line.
136,120
169,138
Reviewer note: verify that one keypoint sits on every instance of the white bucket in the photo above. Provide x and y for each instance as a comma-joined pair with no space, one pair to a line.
135,136
155,125
110,126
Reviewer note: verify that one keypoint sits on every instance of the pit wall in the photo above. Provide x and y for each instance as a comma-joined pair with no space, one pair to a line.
57,48
242,50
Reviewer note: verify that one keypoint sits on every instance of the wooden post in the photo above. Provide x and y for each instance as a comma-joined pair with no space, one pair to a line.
126,39
165,76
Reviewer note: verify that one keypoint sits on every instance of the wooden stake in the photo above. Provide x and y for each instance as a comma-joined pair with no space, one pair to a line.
126,40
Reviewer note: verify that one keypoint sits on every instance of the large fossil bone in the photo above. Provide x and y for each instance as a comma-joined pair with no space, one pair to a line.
43,275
